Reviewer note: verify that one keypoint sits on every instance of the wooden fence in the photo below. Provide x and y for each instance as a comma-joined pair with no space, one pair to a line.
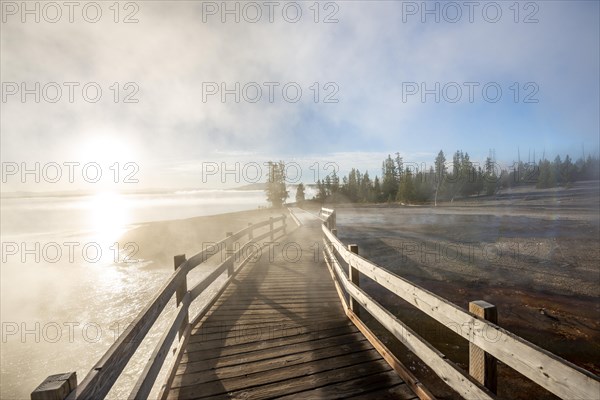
104,374
488,342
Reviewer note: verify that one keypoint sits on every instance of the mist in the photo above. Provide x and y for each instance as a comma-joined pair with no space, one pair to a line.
134,132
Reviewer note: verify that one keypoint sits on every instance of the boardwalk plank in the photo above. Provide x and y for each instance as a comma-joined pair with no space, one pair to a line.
296,387
229,334
339,344
275,360
367,387
209,351
279,330
343,368
399,391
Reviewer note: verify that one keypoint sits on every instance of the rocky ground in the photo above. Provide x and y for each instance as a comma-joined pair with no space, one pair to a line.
533,253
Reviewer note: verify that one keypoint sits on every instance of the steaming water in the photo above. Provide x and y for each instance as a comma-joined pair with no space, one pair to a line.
62,311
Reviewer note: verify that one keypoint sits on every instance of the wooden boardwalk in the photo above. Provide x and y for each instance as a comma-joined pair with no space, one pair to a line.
283,323
279,330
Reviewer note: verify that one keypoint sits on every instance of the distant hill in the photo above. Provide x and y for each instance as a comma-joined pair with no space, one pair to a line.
253,186
263,186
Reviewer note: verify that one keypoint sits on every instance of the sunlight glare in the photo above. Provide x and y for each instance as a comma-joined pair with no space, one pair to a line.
105,149
110,214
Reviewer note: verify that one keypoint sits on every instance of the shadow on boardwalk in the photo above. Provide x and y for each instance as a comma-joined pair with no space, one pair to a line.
279,330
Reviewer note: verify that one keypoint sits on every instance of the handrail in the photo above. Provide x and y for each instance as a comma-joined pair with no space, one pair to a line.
449,372
101,378
142,391
200,257
326,211
296,220
103,375
555,374
143,387
210,278
329,219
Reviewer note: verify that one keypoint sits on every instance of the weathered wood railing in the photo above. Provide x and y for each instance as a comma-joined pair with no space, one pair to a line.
104,374
487,340
329,218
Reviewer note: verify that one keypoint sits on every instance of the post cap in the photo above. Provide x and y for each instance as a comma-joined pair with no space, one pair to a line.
55,387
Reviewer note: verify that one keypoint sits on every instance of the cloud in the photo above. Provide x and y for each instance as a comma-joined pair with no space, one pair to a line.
171,54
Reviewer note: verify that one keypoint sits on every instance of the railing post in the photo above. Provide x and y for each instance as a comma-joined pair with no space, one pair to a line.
284,224
55,387
250,232
334,232
228,251
482,366
178,260
333,220
271,228
354,278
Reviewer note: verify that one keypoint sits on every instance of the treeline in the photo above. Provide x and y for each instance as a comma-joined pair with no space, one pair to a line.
447,180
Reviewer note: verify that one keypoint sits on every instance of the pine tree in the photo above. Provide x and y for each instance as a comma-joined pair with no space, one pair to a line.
568,171
321,191
440,173
489,178
389,184
479,181
376,195
300,196
327,187
352,185
407,189
276,189
366,188
335,187
423,186
399,167
545,176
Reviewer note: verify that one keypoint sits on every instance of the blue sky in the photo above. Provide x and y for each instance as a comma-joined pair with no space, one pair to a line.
372,55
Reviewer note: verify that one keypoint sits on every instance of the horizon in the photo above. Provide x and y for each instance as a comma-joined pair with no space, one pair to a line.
218,175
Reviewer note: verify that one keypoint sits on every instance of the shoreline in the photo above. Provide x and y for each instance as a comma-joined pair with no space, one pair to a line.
511,201
159,241
107,295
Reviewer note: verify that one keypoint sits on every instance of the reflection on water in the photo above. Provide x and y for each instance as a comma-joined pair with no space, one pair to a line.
35,215
61,305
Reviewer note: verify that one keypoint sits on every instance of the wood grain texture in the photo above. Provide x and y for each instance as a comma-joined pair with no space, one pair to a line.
279,329
444,368
482,366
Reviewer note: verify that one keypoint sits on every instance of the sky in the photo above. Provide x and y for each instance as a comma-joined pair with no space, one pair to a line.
154,94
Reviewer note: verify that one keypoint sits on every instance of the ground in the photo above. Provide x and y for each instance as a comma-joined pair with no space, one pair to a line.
157,242
535,254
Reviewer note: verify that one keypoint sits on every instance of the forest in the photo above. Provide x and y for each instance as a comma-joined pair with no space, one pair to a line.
446,180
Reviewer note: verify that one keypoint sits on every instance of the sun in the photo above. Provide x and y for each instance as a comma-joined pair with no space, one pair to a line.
109,215
105,149
106,161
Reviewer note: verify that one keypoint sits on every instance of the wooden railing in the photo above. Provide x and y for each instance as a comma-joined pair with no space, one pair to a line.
487,340
329,218
104,374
